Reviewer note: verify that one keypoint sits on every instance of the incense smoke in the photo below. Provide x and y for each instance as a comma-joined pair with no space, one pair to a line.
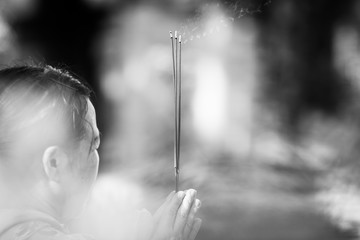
223,15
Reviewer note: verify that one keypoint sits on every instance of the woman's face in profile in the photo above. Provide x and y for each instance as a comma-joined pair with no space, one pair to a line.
84,163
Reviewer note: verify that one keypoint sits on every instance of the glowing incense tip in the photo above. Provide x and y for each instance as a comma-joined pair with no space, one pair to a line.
175,34
179,38
170,34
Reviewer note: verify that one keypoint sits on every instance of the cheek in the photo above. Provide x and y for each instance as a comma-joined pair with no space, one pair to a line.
88,169
93,165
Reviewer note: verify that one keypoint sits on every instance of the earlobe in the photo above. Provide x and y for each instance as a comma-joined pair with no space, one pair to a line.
54,160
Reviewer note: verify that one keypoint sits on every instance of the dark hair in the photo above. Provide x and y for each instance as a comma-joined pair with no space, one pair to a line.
27,92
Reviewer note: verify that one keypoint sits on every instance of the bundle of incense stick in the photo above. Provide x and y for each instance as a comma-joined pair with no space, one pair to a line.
176,57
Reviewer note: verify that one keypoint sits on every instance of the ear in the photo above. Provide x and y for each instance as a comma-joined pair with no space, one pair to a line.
55,162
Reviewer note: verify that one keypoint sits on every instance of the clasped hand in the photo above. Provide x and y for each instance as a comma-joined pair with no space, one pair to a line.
174,220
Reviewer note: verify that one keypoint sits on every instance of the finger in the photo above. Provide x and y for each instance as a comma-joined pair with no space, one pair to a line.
161,208
190,221
195,229
184,210
166,220
158,229
145,225
172,209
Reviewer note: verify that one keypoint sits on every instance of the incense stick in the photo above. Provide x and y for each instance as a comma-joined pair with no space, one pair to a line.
173,60
176,150
175,112
178,81
176,57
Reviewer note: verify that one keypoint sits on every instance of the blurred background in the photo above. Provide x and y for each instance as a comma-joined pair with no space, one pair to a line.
271,108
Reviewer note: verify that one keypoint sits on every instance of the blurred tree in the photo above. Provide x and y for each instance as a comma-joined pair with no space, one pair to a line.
300,43
296,40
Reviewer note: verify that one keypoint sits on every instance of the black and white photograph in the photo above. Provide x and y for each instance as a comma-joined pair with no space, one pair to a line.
179,120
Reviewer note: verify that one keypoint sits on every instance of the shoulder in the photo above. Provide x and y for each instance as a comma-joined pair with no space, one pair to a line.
36,230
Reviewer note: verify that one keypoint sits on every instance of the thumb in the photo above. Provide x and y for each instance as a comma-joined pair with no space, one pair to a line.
144,225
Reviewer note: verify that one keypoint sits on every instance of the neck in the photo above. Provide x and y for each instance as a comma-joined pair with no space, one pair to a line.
37,198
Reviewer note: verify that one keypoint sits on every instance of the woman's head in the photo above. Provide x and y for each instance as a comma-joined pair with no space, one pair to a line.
29,95
48,130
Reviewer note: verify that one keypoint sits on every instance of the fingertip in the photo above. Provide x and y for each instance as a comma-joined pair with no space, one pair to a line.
191,190
197,203
191,193
171,194
181,195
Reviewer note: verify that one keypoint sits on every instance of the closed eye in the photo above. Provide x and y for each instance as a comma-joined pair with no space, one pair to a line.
96,142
